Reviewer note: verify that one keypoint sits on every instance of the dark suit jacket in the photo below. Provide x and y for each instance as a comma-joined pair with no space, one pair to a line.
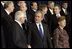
53,22
48,17
28,17
2,31
31,15
7,23
19,36
35,39
2,38
45,19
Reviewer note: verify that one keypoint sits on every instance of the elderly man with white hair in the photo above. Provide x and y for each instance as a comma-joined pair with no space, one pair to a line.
19,36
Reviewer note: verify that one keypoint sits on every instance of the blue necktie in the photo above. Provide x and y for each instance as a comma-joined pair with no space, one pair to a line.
40,31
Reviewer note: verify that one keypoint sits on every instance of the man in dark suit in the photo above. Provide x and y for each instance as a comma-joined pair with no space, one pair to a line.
53,19
19,35
38,33
55,16
64,11
50,12
7,23
32,11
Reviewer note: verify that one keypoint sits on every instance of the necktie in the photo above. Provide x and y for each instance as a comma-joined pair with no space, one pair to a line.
40,31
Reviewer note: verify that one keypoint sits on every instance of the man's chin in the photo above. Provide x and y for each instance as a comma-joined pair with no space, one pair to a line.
37,21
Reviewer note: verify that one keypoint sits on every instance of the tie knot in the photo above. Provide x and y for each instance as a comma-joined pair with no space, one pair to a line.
39,24
40,31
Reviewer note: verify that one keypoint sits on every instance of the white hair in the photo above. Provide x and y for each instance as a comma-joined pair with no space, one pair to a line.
18,14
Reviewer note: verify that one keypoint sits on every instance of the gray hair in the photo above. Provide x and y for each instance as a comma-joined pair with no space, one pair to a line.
18,14
7,3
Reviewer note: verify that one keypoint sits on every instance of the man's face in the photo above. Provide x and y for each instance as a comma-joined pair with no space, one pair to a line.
20,3
23,7
56,9
51,5
38,17
35,6
45,10
11,6
65,5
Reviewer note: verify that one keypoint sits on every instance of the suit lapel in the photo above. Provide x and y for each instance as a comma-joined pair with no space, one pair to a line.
36,30
44,28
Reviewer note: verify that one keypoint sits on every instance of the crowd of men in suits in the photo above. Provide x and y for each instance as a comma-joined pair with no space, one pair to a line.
41,26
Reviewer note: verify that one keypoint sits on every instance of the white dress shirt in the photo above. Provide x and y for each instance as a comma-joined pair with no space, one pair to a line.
7,12
34,10
19,23
41,27
64,10
58,15
51,11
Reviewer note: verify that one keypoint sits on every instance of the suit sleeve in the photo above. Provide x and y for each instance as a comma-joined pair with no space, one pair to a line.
18,38
29,36
49,39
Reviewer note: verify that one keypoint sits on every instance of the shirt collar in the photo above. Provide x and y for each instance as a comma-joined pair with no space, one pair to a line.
2,4
64,10
58,15
38,23
19,23
7,12
51,11
34,10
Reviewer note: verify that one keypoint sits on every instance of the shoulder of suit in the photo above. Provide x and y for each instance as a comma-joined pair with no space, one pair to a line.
45,24
31,24
15,23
